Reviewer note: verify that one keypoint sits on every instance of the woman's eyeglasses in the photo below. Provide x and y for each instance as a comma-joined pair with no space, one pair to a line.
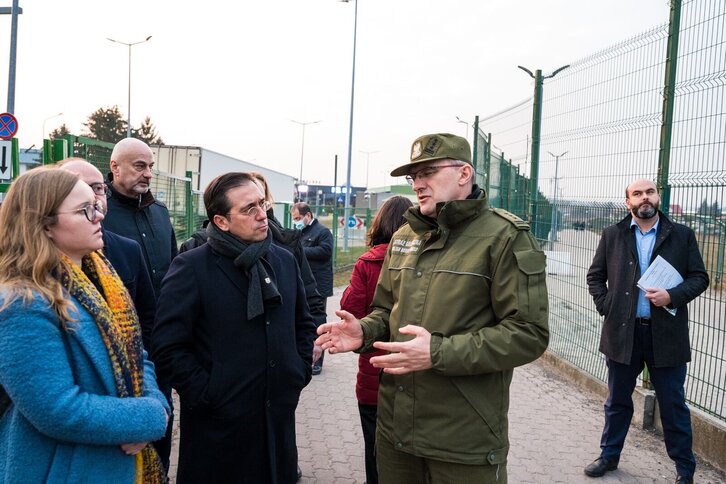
91,210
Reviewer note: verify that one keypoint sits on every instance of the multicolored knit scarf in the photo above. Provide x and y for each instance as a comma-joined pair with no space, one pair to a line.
97,287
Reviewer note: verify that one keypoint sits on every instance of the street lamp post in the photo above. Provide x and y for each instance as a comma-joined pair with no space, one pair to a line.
554,199
368,161
302,148
459,120
48,119
350,133
302,189
13,11
129,45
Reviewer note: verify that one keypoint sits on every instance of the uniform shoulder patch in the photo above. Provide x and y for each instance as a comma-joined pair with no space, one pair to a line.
511,218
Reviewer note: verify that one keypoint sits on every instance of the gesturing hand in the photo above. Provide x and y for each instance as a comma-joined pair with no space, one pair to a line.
340,336
408,356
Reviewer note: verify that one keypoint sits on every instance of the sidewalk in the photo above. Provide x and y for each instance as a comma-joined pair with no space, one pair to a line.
554,431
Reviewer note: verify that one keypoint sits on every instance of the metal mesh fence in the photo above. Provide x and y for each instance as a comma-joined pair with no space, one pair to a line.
506,186
601,129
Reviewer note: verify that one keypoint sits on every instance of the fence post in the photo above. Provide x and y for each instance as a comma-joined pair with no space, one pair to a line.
47,152
669,89
189,205
488,161
536,130
334,225
15,156
60,148
475,149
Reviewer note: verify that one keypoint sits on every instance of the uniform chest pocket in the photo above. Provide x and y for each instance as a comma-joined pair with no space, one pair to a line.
532,288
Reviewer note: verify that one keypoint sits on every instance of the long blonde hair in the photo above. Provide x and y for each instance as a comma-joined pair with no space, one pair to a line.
29,260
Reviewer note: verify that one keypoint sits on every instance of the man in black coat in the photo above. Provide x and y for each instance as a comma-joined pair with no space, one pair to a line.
645,326
133,210
317,242
134,213
234,336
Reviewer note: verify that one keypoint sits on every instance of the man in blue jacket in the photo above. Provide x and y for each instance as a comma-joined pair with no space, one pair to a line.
317,241
645,326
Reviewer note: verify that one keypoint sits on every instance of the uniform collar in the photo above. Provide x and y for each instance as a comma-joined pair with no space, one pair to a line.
450,214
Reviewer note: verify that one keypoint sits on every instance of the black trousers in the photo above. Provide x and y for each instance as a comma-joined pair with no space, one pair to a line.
368,424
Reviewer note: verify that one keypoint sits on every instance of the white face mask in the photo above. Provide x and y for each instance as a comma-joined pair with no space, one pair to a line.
299,224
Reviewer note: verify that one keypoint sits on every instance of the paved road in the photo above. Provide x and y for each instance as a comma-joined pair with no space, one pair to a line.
554,432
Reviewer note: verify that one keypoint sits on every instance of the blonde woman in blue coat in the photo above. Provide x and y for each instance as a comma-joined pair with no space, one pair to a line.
83,400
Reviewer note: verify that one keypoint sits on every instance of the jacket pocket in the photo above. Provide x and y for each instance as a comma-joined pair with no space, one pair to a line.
532,287
211,394
607,304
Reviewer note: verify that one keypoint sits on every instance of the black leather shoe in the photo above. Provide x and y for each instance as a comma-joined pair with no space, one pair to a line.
684,480
317,369
299,473
601,466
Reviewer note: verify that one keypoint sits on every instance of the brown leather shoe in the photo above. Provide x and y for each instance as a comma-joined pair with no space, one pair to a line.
600,466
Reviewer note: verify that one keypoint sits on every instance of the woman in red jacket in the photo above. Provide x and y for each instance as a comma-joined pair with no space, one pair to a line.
357,301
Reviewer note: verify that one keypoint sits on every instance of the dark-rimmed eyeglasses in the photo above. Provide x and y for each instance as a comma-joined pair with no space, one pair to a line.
91,210
99,188
254,210
428,172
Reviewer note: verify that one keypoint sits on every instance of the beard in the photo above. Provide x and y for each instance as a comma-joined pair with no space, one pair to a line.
140,189
645,211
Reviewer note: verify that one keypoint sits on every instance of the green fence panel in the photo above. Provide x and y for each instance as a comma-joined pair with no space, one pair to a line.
606,111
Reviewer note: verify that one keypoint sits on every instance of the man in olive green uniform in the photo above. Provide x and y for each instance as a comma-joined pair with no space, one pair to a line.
460,302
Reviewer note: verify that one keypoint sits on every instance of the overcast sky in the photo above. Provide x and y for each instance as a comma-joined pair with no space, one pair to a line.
229,76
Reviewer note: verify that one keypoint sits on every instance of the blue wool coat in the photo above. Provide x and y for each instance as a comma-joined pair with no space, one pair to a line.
65,423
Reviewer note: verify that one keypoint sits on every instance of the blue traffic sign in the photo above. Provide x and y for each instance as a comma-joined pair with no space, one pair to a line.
8,125
351,222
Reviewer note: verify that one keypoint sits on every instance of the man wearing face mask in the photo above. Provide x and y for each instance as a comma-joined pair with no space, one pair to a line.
640,327
317,242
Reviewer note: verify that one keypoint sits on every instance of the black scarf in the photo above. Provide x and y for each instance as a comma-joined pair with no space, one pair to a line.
249,258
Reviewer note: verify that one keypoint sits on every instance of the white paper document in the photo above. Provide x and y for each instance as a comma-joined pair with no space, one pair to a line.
660,274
